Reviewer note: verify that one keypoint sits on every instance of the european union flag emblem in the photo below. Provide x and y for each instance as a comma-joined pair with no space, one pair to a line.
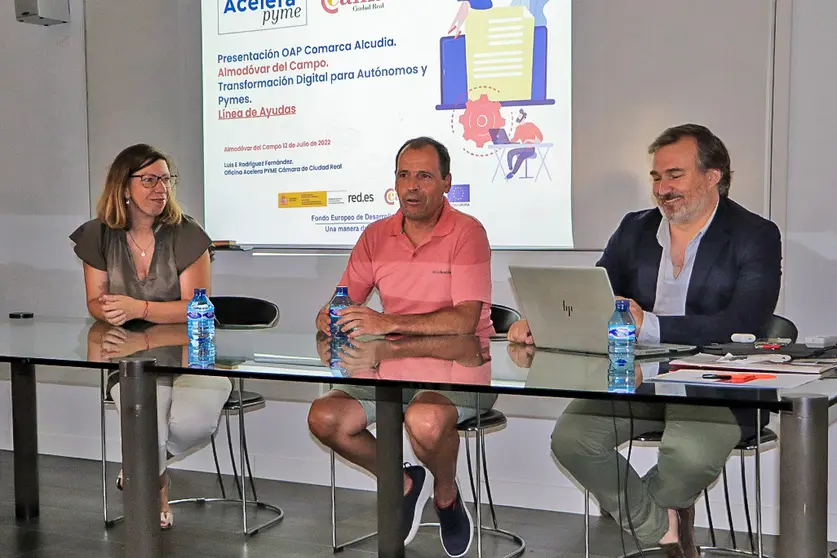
459,193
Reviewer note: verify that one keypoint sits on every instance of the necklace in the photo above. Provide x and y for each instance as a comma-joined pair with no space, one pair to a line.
141,249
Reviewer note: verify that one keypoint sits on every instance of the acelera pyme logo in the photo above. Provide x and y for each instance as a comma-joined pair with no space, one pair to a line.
333,6
241,16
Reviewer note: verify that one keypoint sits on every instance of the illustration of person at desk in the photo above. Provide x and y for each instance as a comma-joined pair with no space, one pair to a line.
524,133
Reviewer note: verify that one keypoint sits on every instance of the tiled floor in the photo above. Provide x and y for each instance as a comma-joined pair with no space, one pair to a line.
71,522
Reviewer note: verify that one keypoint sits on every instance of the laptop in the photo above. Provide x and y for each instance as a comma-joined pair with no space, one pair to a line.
568,309
499,136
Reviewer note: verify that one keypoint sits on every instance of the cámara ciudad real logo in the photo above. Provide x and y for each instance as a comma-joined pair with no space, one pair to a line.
241,16
333,6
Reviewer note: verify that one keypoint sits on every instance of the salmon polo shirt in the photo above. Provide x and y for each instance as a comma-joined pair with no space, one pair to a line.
451,266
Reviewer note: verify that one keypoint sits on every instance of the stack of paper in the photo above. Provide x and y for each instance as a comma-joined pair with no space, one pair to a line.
734,379
755,363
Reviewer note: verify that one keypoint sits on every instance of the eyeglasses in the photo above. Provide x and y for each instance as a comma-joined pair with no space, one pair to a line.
149,181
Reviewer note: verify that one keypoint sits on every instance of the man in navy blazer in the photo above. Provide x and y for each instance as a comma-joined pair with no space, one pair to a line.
735,276
696,269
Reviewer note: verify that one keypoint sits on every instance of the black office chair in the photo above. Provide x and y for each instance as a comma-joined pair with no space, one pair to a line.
231,312
241,312
503,317
782,327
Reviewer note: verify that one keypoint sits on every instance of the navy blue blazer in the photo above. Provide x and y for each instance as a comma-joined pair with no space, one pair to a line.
735,280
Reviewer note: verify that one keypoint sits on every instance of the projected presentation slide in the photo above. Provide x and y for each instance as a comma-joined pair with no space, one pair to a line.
306,103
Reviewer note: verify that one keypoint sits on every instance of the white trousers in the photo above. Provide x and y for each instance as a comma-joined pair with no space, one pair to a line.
188,410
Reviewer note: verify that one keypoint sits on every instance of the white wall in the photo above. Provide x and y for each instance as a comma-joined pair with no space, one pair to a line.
43,162
43,128
811,235
43,169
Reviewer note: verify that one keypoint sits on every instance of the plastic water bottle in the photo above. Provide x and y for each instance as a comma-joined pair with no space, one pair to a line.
339,301
621,345
202,354
621,331
200,318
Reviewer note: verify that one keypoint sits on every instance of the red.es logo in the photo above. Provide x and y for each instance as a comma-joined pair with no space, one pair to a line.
390,196
332,6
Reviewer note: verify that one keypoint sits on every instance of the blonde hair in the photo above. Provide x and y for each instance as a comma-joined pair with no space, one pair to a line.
111,208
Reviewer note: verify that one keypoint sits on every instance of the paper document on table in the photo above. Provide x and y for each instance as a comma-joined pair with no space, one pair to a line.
500,47
776,363
734,379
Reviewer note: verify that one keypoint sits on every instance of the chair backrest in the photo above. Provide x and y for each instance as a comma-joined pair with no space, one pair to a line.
781,327
243,312
503,318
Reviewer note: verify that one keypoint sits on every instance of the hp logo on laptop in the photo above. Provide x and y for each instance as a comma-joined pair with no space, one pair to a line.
567,308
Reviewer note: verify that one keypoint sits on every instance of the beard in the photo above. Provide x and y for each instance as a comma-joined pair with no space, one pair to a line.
687,208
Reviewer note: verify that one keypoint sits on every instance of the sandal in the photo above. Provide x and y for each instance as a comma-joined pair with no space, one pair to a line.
167,517
166,520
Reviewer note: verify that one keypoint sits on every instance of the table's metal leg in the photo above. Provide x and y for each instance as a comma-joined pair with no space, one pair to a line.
25,440
390,472
138,391
803,477
242,454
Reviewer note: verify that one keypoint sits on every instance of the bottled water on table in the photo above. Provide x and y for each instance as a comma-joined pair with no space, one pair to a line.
200,317
621,345
339,301
621,330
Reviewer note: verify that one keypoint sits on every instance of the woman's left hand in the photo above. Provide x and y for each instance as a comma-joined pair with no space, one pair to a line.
119,309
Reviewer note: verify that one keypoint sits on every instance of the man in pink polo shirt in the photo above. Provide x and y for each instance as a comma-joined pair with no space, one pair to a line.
431,265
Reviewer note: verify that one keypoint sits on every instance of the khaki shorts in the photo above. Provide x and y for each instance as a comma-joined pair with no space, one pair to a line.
464,402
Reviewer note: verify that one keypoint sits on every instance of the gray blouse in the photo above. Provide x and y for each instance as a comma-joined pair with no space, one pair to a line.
176,247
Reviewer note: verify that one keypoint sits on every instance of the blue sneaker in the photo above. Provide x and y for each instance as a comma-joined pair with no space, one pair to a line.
415,500
456,528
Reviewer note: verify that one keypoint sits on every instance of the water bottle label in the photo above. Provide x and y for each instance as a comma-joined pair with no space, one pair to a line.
334,311
210,315
193,314
621,331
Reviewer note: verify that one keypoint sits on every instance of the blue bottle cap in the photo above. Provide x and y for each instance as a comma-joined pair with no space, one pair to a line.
623,305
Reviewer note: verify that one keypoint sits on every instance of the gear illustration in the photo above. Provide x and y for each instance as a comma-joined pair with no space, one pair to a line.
479,117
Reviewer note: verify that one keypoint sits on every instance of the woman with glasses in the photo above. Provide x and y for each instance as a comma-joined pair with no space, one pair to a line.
143,259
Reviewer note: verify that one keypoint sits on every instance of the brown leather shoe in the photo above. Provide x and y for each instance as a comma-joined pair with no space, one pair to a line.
686,532
672,550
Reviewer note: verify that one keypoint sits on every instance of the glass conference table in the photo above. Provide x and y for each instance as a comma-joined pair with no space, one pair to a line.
391,365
